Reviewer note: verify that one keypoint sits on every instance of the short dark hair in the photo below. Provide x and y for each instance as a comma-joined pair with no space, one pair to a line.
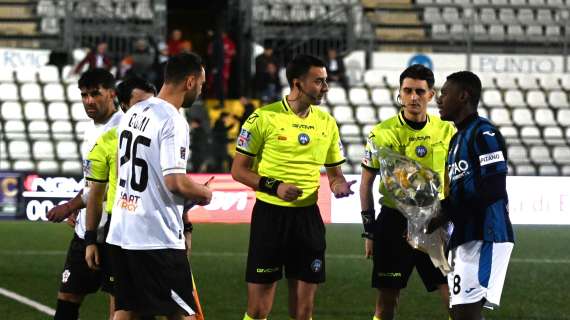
180,66
300,65
418,72
125,88
469,82
93,78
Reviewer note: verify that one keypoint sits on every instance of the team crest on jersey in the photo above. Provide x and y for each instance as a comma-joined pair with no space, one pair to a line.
65,275
304,138
244,138
316,265
421,151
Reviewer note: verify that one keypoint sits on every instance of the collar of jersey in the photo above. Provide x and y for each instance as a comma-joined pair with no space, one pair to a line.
287,108
403,121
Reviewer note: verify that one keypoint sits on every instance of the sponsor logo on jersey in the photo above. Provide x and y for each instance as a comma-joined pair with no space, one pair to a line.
489,133
244,138
458,170
129,202
304,138
252,118
422,138
489,158
182,153
316,265
303,126
421,151
469,290
65,276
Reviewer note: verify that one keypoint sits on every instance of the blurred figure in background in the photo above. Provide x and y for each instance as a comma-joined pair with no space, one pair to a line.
269,85
198,145
139,63
95,58
175,42
335,68
221,160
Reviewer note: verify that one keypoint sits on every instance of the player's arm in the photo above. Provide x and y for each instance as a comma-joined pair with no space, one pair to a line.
242,172
92,219
182,185
367,208
64,210
338,184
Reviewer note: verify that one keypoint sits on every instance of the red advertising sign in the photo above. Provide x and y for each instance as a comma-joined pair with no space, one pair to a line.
232,201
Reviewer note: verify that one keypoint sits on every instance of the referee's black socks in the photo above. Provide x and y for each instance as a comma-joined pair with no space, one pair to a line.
66,310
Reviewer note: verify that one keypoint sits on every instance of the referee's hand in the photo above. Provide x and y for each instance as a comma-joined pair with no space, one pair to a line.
341,190
368,248
288,192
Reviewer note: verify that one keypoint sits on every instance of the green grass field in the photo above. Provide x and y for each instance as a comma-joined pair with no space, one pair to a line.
537,285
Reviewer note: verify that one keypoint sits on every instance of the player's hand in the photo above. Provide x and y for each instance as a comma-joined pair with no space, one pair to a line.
206,200
59,212
288,192
92,256
72,219
341,190
368,248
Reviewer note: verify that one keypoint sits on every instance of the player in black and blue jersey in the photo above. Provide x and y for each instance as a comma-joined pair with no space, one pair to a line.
482,239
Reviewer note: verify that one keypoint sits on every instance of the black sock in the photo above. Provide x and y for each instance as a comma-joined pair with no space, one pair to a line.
66,310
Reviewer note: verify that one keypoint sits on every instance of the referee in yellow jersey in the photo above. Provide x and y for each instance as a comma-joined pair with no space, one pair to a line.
280,151
424,138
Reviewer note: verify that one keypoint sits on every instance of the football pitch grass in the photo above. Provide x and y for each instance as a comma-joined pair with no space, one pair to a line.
537,284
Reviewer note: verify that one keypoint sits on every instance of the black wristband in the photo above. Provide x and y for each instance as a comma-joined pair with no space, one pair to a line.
368,235
368,218
188,227
90,237
269,185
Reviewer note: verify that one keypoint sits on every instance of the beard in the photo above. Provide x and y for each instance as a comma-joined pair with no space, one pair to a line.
189,99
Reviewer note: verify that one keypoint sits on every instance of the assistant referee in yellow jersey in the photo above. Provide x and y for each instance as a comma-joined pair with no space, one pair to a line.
424,138
280,151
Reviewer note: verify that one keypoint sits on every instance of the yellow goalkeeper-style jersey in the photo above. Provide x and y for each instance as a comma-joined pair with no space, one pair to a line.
102,164
428,146
290,148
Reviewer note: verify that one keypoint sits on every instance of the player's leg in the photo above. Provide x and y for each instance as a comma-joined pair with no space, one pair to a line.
265,258
77,280
260,299
469,311
392,262
432,277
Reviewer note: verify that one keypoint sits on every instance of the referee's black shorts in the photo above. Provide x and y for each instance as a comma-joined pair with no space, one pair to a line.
394,259
152,282
292,238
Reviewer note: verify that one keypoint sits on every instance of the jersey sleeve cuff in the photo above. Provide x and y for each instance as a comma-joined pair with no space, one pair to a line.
336,164
96,180
369,168
249,154
168,171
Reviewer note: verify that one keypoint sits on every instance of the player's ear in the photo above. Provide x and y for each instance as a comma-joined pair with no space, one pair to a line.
190,81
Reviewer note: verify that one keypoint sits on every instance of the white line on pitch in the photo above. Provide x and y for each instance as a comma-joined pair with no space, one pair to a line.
242,254
29,302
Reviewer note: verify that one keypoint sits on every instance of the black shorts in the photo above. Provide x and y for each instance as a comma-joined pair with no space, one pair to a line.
394,259
290,237
152,282
77,277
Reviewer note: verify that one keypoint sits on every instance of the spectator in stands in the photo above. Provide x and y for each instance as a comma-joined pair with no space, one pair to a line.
160,63
97,58
221,52
221,160
175,42
199,145
262,60
269,85
335,68
248,109
139,63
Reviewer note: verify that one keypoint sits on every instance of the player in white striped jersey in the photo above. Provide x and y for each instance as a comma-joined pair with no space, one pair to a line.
152,273
97,88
